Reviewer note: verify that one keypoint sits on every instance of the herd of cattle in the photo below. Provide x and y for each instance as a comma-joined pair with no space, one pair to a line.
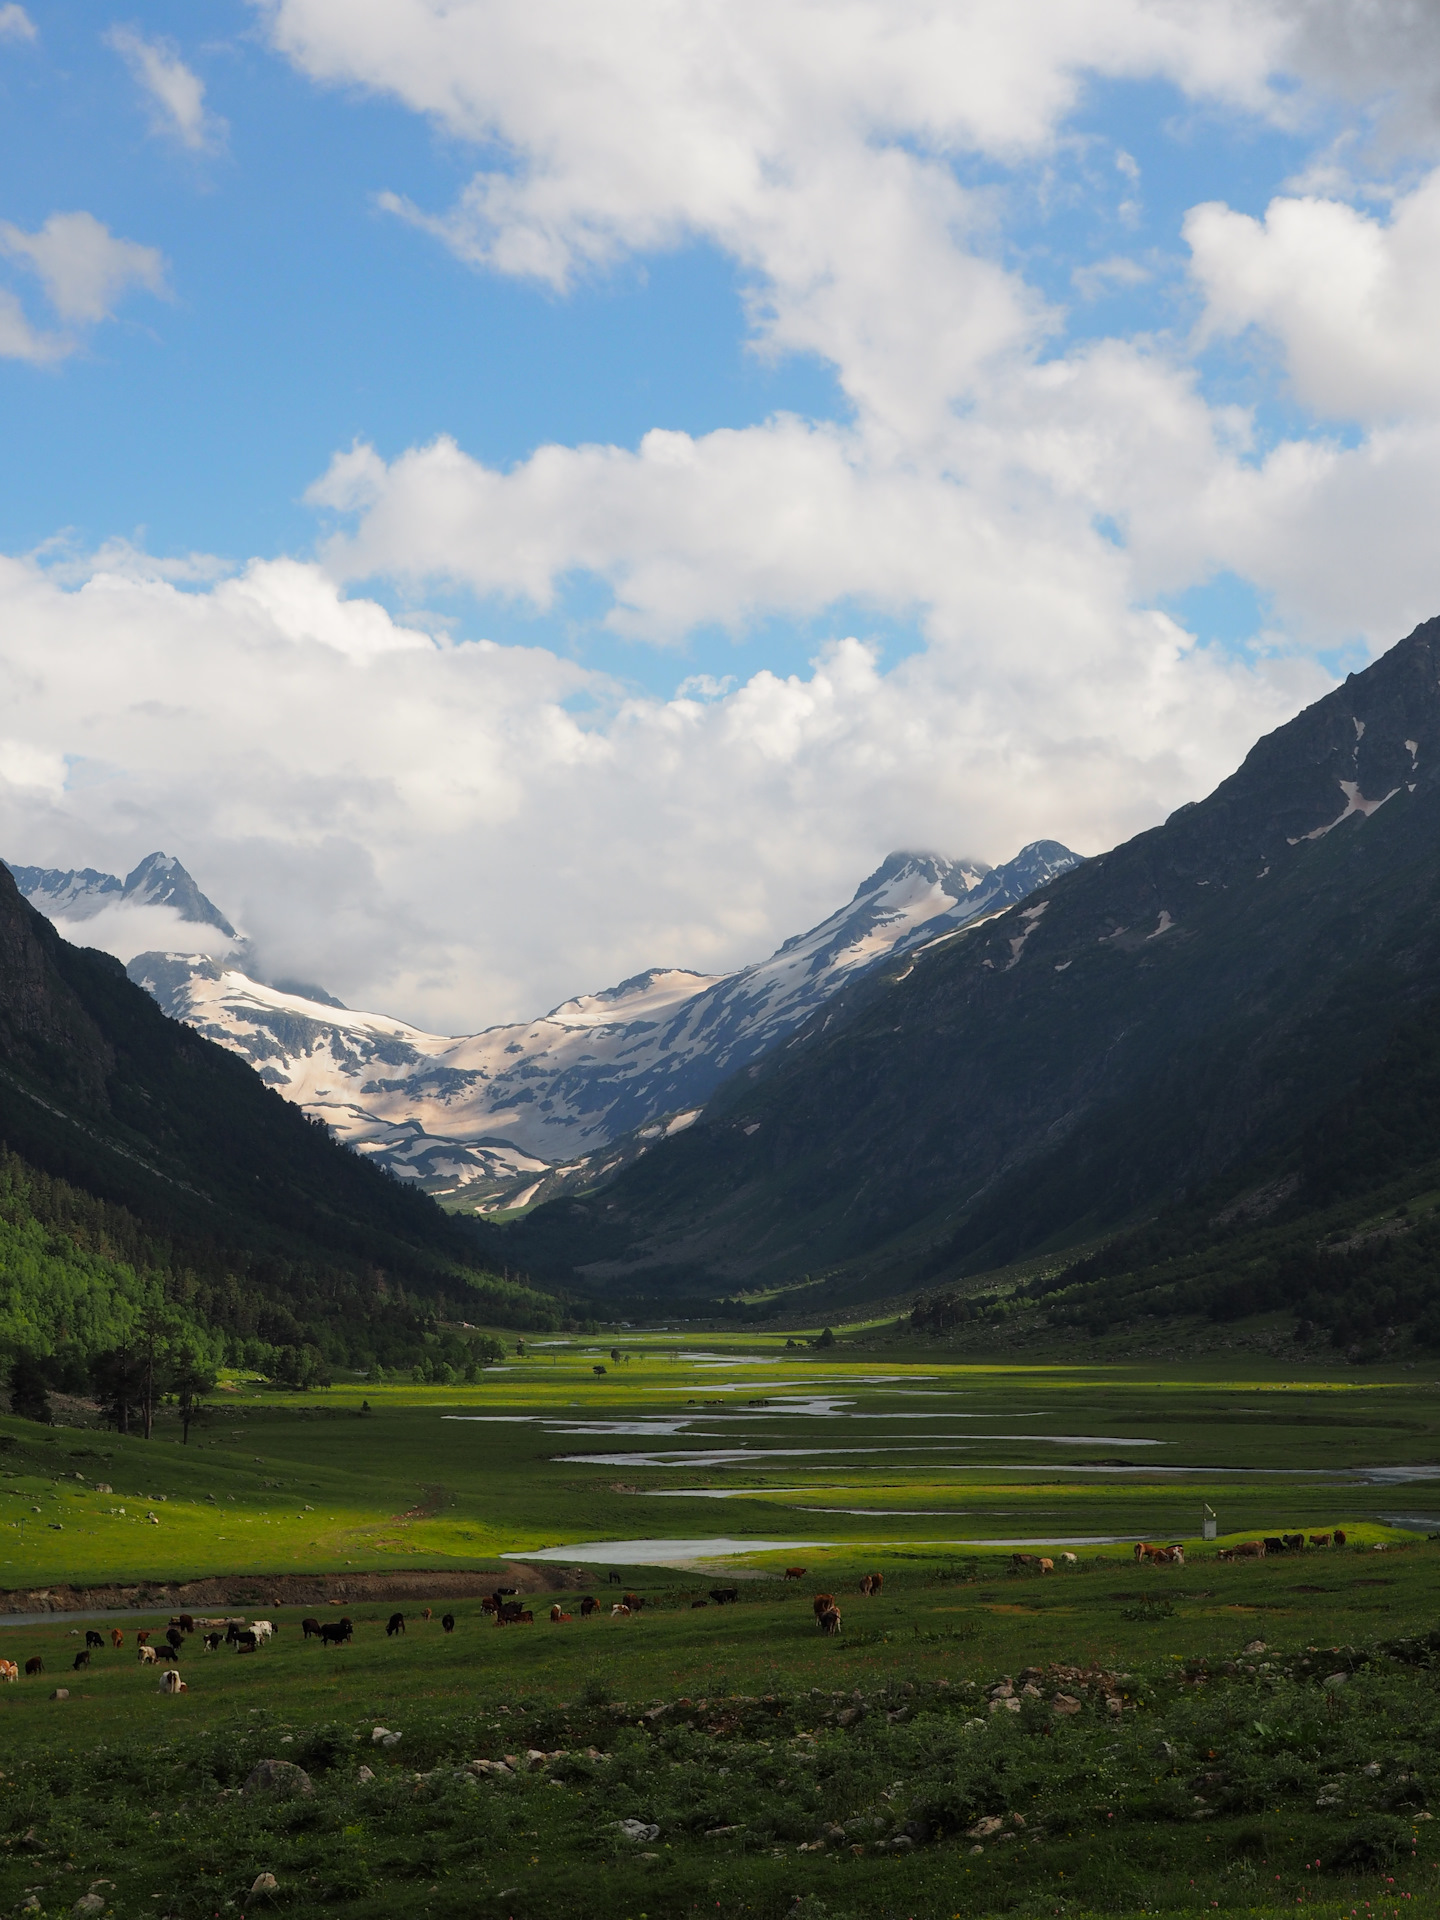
507,1611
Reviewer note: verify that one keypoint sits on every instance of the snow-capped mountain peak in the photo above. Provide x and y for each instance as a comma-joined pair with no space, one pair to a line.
495,1113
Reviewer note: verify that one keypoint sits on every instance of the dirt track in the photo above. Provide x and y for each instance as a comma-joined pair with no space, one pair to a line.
289,1589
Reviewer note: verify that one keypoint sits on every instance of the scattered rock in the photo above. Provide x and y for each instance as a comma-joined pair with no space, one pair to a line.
384,1737
1256,1646
264,1883
277,1776
1334,1681
638,1830
364,1775
61,1693
982,1829
1065,1703
89,1903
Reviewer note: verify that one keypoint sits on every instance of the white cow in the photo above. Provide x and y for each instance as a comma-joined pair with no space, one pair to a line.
172,1683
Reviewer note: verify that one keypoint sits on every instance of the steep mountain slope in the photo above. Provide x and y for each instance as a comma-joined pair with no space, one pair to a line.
98,1088
490,1114
1163,1013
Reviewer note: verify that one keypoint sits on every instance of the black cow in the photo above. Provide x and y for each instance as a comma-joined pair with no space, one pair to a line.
395,1624
447,1621
1294,1542
246,1642
82,1659
93,1639
213,1641
337,1633
309,1627
166,1652
34,1664
724,1596
1274,1544
174,1636
614,1580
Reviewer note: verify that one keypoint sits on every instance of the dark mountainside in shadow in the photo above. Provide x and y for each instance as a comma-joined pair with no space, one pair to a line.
197,1169
1175,1013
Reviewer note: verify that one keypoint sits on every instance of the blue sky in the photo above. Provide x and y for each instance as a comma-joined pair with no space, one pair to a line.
989,417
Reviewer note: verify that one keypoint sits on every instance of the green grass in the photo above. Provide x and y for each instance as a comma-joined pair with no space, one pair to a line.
1112,1819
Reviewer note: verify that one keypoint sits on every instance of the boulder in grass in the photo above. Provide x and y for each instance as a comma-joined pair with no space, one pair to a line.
1334,1681
1065,1703
61,1693
264,1883
277,1776
637,1830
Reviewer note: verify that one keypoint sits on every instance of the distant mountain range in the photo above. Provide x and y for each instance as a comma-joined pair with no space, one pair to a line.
516,1113
1170,1018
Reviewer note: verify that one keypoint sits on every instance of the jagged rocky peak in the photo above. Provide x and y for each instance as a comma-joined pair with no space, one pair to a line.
955,877
79,893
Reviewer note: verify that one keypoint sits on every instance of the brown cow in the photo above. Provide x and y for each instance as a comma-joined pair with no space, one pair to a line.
425,1613
1319,1539
142,1639
117,1638
588,1606
1246,1550
794,1573
821,1602
633,1601
619,1611
525,1618
872,1583
34,1664
557,1616
1047,1566
1339,1538
829,1621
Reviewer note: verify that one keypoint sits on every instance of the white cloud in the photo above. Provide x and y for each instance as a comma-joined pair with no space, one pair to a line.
15,22
1352,298
175,93
20,341
130,927
84,268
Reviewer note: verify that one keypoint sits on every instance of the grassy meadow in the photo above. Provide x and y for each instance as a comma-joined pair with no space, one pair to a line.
1154,1765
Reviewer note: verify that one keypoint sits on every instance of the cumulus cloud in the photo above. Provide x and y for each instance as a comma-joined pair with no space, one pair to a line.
467,832
175,94
1351,298
84,268
15,22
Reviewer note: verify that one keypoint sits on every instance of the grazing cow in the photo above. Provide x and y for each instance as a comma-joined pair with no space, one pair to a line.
1294,1542
821,1602
510,1610
310,1627
490,1604
794,1573
34,1664
1017,1560
82,1659
588,1606
873,1582
525,1618
1339,1538
558,1617
395,1624
829,1621
724,1596
263,1629
146,1656
1068,1560
213,1642
337,1633
142,1639
9,1670
172,1683
619,1611
425,1613
447,1621
614,1580
184,1621
117,1638
167,1653
174,1636
1047,1566
246,1642
1320,1539
1248,1550
633,1601
1146,1551
93,1639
